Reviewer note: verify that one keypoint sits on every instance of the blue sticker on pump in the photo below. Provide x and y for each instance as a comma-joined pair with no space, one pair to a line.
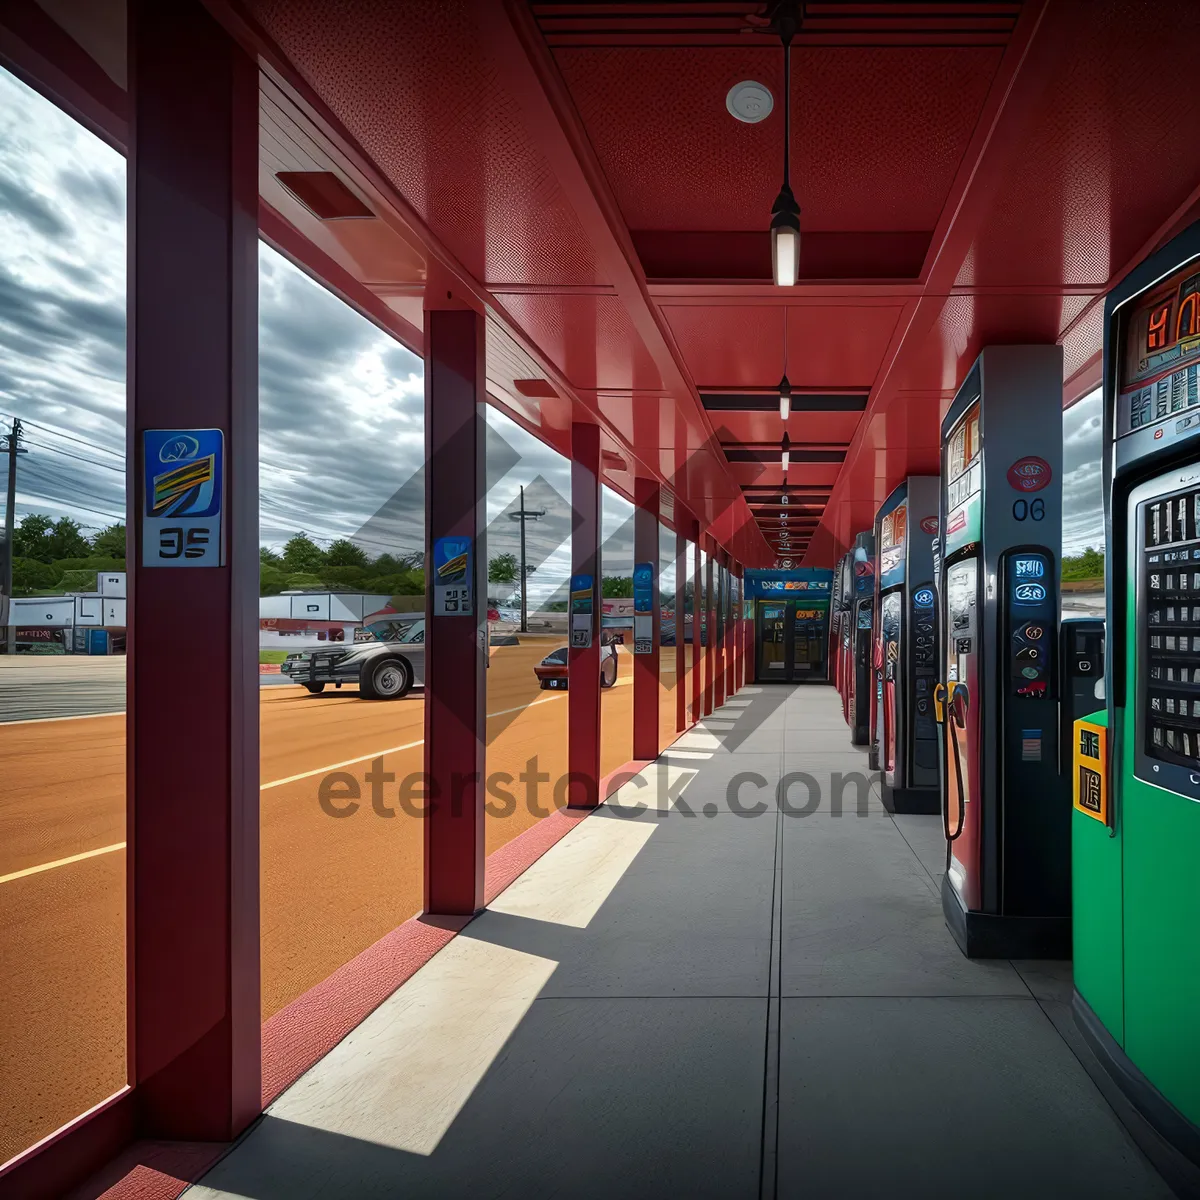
1028,593
1029,568
923,598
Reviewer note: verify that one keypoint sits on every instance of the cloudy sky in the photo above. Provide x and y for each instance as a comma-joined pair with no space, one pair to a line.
328,378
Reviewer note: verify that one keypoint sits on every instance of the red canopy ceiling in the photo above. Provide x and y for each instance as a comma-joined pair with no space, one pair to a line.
968,171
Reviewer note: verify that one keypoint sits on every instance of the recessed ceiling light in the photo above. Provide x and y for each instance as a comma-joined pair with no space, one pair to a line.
750,101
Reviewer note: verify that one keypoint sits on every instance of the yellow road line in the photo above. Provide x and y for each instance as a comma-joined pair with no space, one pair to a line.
61,862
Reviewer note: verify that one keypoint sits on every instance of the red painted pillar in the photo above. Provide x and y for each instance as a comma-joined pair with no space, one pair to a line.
710,650
681,679
583,664
731,632
696,676
721,604
455,610
645,666
192,822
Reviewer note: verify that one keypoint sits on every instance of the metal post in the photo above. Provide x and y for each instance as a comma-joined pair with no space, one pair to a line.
681,581
524,608
10,529
645,666
697,671
456,642
192,752
710,649
583,663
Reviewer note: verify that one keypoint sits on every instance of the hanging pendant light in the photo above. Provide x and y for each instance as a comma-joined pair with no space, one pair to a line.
785,456
785,213
785,399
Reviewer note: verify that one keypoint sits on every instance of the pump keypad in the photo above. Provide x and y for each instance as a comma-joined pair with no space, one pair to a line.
1171,628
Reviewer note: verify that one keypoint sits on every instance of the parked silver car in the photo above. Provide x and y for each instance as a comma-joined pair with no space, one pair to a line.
385,668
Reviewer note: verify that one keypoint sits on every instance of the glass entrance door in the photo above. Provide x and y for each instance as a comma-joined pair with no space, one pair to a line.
772,631
791,641
808,642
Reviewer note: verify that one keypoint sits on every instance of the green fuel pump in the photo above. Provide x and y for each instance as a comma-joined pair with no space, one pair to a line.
1136,819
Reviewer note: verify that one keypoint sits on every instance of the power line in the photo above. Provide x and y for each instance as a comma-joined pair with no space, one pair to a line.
69,436
91,462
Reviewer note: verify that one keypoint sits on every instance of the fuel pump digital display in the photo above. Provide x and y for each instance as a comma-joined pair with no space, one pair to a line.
1170,576
1160,374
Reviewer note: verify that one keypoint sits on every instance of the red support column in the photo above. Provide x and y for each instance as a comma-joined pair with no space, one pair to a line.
722,609
748,674
583,664
455,640
645,666
731,632
710,650
192,824
681,679
696,675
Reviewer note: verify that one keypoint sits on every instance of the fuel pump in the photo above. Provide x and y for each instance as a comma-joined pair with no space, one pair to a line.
1006,812
904,735
1136,824
861,620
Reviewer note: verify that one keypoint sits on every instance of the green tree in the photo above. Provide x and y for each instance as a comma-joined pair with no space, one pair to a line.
66,540
268,557
271,580
353,578
1088,565
503,569
110,542
344,553
81,580
31,538
617,587
33,578
303,555
302,582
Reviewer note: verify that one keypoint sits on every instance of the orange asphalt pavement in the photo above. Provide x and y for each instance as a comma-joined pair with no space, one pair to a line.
330,886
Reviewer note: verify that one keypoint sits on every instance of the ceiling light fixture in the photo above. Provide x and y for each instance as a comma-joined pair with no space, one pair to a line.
785,213
785,454
785,387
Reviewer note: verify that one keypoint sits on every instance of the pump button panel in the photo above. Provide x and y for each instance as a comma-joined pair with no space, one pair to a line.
1170,627
1030,623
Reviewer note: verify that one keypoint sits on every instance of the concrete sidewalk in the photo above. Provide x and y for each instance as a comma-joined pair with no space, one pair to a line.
678,1000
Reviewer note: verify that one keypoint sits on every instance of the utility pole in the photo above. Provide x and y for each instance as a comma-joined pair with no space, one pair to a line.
523,514
10,525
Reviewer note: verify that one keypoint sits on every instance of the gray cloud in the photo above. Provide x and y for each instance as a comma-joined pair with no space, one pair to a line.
31,208
1082,485
96,191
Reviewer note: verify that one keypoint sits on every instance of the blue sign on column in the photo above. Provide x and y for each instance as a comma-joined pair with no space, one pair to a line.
453,577
643,608
183,480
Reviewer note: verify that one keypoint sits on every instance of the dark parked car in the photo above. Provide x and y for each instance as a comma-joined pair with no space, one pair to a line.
385,668
552,670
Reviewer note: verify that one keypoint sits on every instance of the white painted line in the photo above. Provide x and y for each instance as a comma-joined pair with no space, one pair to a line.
61,862
532,704
402,1077
671,752
274,783
116,712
